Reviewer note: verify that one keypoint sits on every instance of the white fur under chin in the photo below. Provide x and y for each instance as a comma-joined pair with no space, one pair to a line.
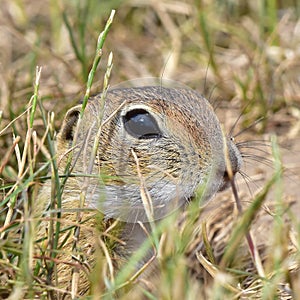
125,202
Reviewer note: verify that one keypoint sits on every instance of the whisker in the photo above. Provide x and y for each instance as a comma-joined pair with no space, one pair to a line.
249,127
237,120
258,158
216,103
251,157
245,176
256,149
247,179
213,103
263,143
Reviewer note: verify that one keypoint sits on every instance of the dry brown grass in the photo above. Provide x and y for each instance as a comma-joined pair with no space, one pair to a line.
243,53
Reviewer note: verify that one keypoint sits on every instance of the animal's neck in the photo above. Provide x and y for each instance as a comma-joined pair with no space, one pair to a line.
134,235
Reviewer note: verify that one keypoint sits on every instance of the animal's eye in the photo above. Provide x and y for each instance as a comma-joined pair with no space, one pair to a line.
140,124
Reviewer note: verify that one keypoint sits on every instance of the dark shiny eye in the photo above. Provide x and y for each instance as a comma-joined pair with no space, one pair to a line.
140,124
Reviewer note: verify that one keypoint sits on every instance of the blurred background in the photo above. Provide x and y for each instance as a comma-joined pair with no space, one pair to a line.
244,55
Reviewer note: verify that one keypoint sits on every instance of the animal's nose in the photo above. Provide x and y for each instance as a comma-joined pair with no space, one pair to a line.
235,160
235,157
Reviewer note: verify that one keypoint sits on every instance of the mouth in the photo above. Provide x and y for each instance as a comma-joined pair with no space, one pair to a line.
226,182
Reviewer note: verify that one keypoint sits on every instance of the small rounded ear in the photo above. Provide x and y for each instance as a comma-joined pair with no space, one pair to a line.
69,124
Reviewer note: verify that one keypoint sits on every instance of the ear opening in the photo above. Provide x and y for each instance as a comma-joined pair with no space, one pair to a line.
69,124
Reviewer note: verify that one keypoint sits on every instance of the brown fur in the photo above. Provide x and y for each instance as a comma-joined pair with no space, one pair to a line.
190,154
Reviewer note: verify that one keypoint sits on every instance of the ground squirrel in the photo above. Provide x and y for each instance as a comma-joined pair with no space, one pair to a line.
156,147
